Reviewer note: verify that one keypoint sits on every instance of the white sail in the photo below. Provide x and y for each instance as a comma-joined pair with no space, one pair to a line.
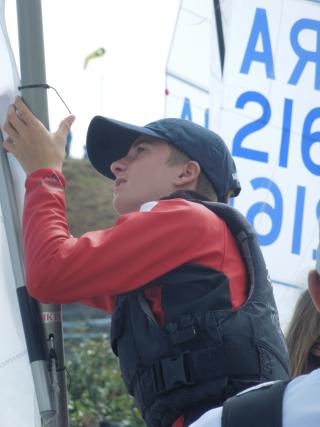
269,115
18,406
188,65
266,107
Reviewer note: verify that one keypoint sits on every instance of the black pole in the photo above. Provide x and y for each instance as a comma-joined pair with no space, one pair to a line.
218,17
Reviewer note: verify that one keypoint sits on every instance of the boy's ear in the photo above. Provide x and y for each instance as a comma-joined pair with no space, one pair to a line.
314,288
189,173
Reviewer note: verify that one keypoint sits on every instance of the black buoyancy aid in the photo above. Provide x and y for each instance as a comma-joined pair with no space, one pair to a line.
261,406
206,351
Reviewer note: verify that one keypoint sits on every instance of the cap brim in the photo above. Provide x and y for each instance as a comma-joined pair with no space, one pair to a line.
109,140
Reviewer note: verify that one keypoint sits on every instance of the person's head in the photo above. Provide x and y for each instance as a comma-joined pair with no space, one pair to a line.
165,156
202,185
303,335
314,284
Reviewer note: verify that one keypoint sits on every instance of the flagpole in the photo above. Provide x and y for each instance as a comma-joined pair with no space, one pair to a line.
32,68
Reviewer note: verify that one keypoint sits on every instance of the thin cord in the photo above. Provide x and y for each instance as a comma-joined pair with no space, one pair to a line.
44,86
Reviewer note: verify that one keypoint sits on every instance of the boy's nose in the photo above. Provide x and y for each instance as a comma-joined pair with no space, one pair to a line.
118,166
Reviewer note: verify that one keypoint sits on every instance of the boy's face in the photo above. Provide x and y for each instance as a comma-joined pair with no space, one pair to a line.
143,175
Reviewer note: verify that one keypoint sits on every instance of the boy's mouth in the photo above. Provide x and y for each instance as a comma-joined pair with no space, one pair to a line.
118,182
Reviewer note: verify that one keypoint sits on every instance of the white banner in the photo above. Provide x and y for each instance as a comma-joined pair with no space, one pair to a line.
270,117
18,406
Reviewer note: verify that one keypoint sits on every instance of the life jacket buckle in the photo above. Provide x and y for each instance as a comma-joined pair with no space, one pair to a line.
184,330
183,335
170,373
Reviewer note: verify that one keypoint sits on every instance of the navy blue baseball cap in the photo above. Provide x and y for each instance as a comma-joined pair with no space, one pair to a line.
109,140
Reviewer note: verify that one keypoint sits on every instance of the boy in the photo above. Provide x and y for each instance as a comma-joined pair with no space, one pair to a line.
194,319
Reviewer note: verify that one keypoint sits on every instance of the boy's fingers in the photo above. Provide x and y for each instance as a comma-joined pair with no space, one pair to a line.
65,125
14,120
9,145
23,111
9,129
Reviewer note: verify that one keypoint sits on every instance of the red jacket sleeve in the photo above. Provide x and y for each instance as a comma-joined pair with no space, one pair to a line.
101,264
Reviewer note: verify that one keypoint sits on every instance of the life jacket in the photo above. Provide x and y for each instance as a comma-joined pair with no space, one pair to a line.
263,404
206,351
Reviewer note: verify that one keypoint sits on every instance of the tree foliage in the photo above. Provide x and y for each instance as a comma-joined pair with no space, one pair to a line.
97,392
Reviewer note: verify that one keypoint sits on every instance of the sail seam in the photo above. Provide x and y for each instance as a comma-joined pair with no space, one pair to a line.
12,359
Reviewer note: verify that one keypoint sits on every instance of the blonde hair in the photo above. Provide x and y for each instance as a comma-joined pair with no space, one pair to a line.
303,337
203,185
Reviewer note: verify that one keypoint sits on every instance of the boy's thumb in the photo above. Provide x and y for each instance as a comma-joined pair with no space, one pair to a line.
65,126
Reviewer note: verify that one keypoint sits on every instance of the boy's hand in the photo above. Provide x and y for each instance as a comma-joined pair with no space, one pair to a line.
31,143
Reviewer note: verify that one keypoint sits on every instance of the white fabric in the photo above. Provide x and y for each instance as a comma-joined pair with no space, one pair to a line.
148,206
209,419
18,405
301,405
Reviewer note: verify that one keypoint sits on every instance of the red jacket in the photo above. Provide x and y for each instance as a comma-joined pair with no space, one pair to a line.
142,246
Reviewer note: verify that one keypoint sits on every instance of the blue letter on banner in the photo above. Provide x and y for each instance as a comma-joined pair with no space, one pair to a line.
186,109
260,27
305,56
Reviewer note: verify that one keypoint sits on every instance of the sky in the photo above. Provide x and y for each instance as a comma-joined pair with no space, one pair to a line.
128,82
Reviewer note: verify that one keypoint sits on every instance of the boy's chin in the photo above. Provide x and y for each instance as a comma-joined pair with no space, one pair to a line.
121,208
118,209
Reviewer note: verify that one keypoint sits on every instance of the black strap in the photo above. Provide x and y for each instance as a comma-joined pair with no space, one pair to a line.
199,366
145,307
262,406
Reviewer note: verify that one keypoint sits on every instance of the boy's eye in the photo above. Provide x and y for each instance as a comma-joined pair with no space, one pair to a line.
139,149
